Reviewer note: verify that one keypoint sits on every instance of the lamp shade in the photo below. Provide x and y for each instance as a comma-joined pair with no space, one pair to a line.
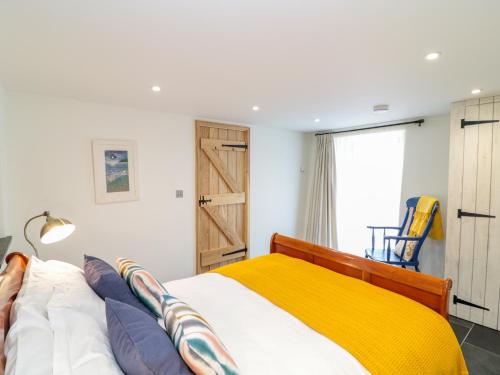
55,229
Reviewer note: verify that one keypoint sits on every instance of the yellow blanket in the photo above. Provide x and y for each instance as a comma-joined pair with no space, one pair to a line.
421,218
387,333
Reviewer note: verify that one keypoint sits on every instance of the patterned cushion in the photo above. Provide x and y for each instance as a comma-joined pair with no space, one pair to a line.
409,249
195,340
143,284
192,336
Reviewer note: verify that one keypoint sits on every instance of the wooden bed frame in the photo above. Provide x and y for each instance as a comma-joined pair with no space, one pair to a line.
11,280
430,291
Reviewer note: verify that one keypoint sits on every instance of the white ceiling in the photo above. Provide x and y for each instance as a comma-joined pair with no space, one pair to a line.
297,60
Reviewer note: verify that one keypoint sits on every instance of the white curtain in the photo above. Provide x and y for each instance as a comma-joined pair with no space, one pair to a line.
321,225
369,170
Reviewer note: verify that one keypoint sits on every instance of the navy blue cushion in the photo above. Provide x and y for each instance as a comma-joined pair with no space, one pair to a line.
139,344
107,283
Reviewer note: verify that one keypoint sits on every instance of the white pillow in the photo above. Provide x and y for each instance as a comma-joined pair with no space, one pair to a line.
29,343
78,319
58,323
73,293
28,346
81,345
40,279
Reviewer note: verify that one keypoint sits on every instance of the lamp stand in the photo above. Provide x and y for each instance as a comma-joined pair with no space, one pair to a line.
44,214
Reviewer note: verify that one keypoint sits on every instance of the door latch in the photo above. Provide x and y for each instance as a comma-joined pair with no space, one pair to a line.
203,201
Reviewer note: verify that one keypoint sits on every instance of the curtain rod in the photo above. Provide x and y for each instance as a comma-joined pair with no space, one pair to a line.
417,122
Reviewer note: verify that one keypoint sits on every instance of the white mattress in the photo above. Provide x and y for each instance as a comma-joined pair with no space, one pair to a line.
262,338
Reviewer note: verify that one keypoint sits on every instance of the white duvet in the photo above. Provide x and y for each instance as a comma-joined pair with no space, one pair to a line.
262,338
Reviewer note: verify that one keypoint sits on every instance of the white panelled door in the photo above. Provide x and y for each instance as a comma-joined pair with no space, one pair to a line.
473,230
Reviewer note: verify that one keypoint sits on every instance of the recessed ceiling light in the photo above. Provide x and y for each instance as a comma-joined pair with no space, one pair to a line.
476,91
255,108
317,120
380,108
433,56
156,88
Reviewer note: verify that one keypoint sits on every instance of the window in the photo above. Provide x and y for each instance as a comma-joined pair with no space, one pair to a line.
369,169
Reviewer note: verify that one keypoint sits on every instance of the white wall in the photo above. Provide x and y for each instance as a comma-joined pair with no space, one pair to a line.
276,185
2,157
425,172
49,166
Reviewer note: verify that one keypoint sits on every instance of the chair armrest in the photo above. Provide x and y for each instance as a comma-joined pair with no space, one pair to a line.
377,227
402,238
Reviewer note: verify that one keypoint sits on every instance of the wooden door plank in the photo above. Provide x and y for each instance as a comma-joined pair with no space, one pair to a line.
230,234
224,199
246,206
211,257
492,293
454,197
223,188
242,168
468,204
471,102
240,162
219,166
486,100
214,189
221,145
216,125
215,262
481,230
231,166
203,186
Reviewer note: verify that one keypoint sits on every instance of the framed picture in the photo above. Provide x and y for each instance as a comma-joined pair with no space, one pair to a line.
115,170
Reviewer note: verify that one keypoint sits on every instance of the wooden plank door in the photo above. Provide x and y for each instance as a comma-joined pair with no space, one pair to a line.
491,298
473,231
222,190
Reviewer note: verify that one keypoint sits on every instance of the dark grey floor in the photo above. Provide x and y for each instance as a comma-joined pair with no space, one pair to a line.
480,345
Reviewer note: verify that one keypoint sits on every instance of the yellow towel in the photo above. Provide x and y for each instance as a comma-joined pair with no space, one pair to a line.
421,218
386,332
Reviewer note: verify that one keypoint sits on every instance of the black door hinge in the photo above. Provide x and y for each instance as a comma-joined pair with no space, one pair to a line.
465,123
461,214
236,146
235,252
458,300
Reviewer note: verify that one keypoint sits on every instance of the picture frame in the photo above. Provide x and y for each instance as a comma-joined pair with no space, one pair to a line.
115,170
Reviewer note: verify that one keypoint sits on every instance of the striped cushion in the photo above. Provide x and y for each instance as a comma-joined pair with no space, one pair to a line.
192,336
143,284
195,340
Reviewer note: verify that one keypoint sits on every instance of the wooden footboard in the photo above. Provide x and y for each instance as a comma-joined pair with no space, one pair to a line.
428,290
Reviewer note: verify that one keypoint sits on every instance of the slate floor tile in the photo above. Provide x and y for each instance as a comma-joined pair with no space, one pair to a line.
462,322
460,331
480,361
485,338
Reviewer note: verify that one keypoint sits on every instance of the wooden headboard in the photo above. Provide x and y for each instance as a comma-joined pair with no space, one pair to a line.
11,280
430,291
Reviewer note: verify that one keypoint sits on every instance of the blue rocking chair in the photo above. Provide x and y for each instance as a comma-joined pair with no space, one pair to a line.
387,255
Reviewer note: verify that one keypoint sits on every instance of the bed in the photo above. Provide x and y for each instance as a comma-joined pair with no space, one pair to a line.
254,309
